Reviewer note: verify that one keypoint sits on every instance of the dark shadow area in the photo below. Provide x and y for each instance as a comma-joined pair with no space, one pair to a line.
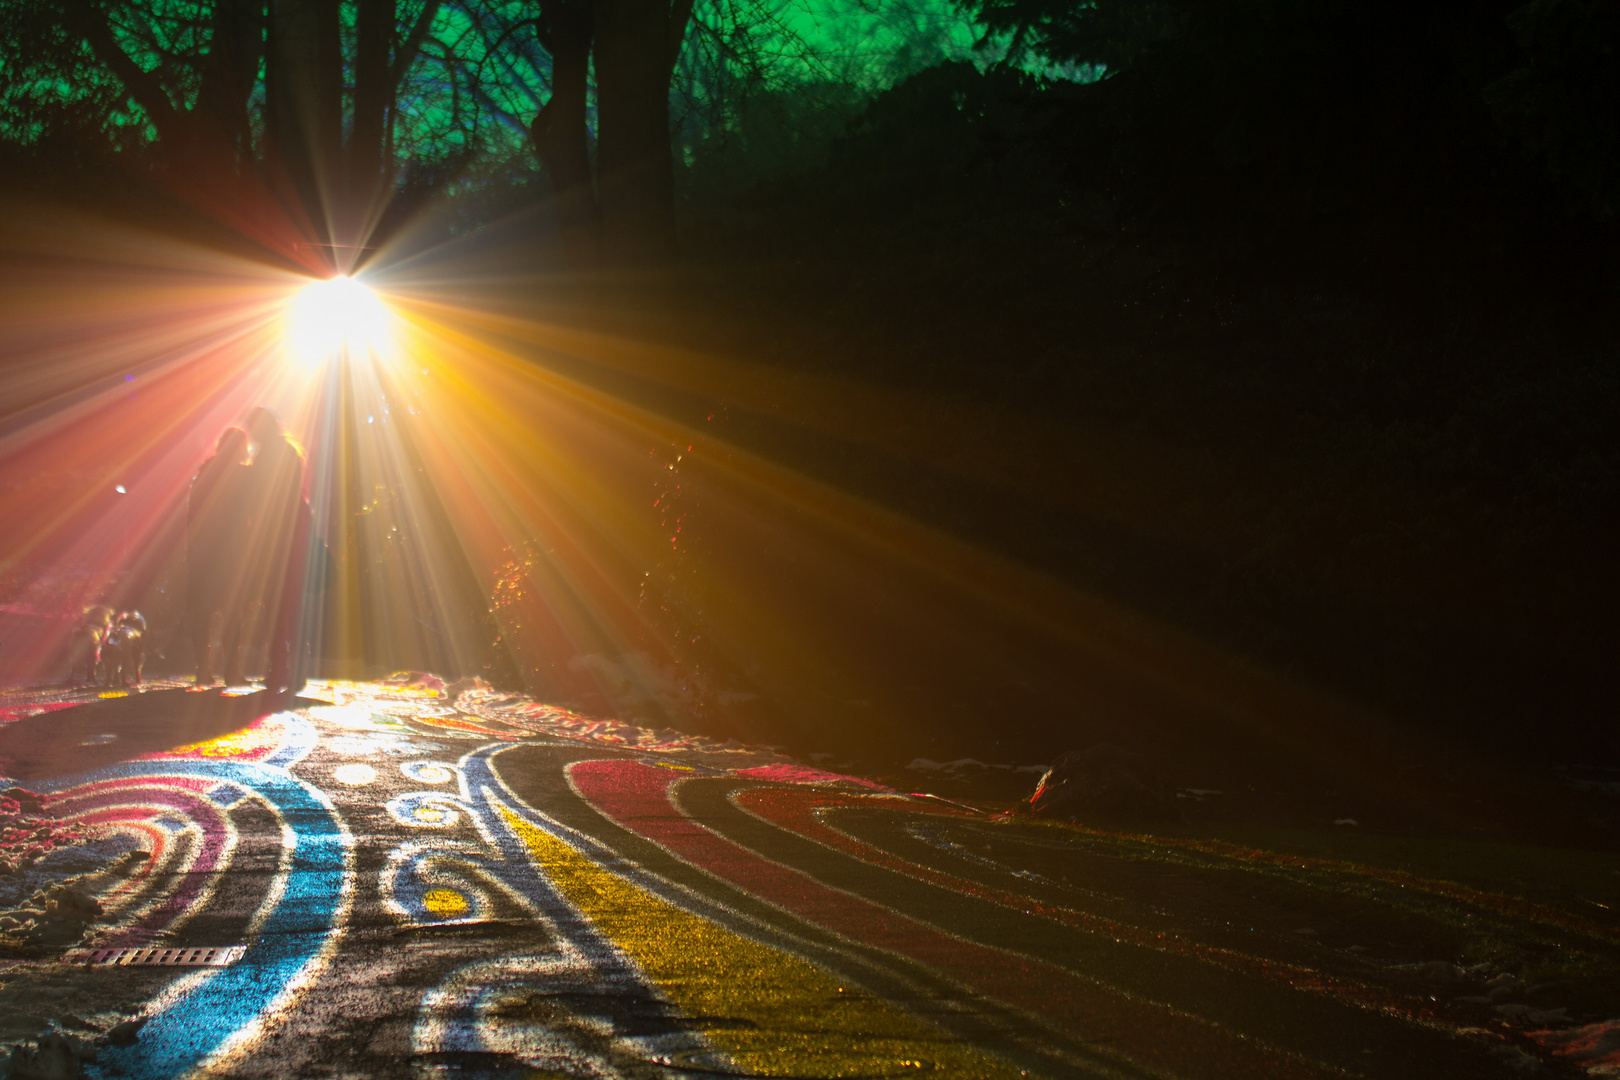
101,733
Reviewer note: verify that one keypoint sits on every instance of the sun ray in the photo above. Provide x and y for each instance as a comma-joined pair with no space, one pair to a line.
489,486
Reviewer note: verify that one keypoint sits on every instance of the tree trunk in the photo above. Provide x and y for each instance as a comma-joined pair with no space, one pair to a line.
559,131
202,150
236,48
304,112
382,56
373,99
636,45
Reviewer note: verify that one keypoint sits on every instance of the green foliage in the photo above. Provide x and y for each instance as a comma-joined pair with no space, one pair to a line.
52,90
1109,35
905,160
765,87
472,93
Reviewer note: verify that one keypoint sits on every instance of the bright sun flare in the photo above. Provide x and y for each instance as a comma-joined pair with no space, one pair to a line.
328,316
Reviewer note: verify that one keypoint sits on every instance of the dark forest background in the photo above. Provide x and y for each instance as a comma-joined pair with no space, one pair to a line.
1351,268
1331,286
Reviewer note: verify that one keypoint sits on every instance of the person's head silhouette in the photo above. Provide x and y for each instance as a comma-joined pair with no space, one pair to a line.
232,445
263,425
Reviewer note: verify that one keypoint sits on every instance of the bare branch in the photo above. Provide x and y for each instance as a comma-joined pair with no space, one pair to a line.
413,42
139,83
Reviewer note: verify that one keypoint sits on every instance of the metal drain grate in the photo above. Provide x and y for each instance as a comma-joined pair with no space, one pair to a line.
151,957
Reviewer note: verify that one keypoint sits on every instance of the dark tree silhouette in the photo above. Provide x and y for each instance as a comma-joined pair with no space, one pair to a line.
624,209
324,154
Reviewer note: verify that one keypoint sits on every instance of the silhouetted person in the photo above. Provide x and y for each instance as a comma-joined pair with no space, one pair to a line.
280,522
216,541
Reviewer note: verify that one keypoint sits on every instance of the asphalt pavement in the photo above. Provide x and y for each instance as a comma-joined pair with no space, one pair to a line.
404,878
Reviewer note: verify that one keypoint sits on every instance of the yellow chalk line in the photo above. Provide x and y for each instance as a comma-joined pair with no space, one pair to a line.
781,1016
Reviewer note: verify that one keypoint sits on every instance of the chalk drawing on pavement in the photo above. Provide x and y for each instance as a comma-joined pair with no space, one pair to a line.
649,901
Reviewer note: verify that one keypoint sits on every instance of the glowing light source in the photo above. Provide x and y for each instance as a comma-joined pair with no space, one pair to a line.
336,314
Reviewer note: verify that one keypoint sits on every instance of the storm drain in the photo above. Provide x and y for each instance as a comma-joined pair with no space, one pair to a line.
153,957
